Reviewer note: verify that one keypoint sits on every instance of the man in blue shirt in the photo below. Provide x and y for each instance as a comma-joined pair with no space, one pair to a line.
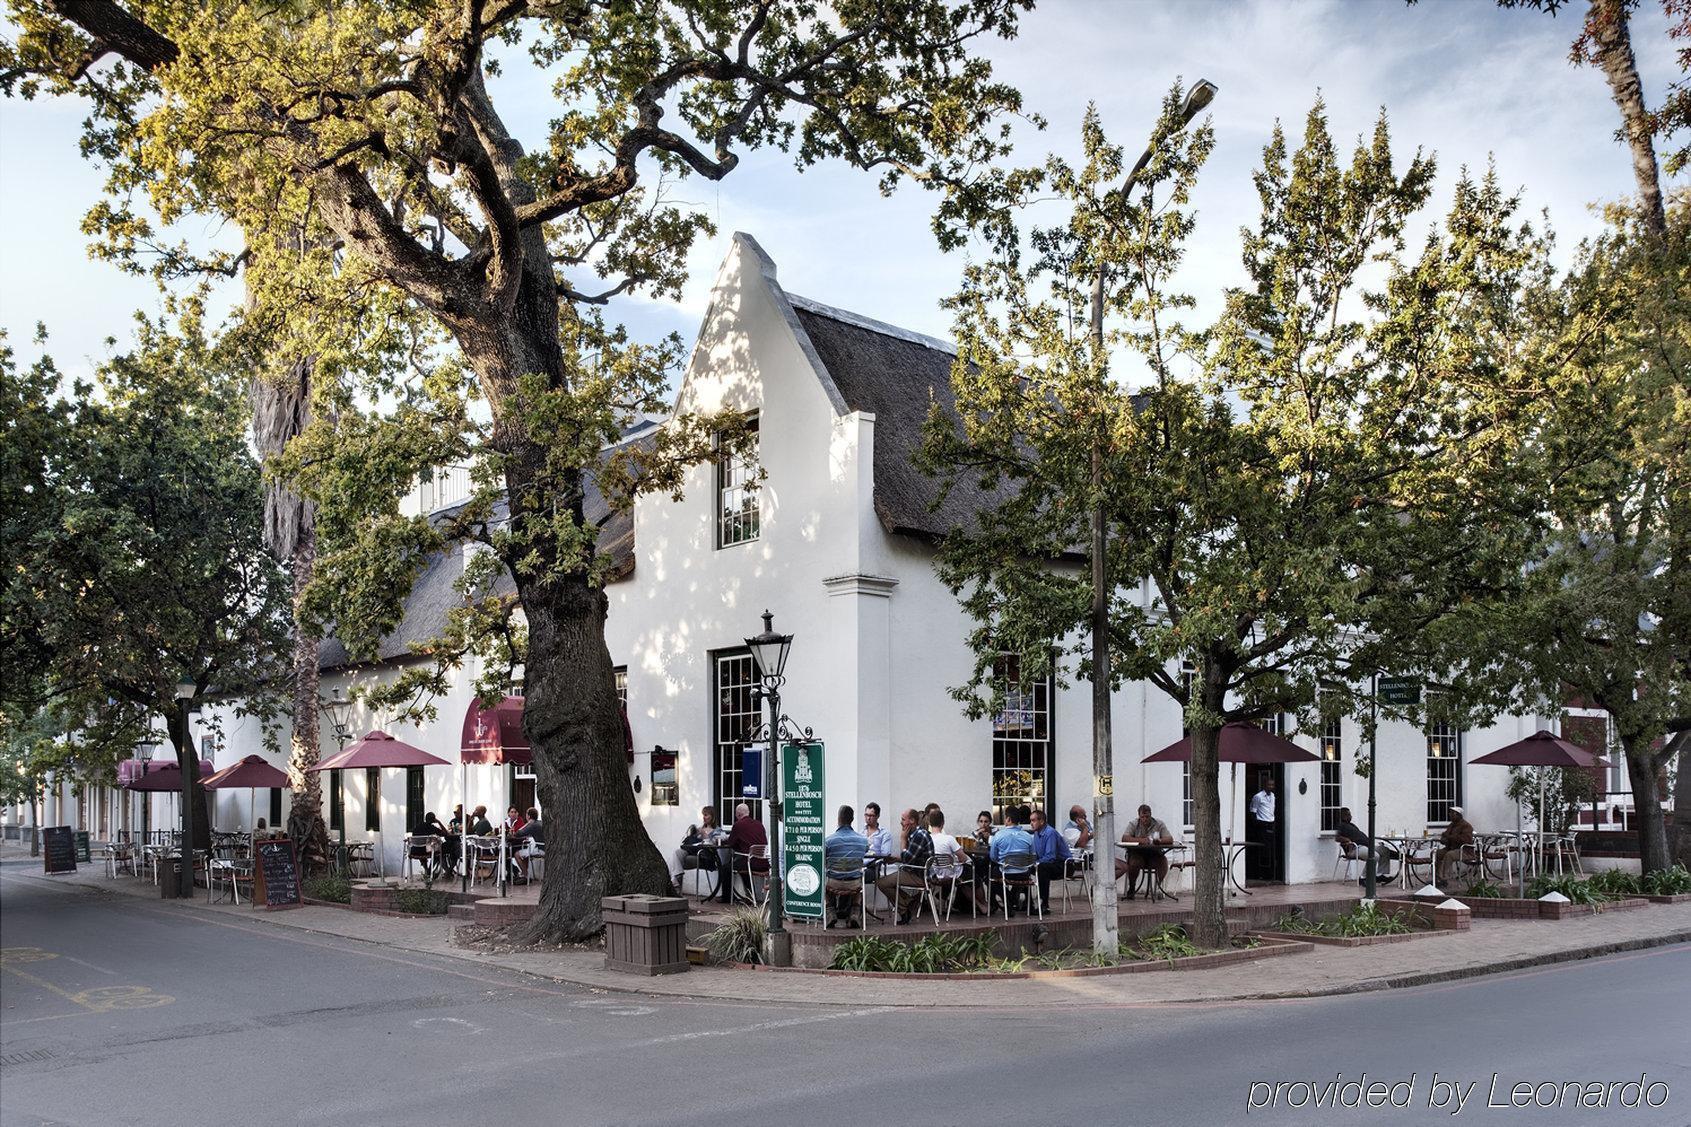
1011,838
1052,850
843,853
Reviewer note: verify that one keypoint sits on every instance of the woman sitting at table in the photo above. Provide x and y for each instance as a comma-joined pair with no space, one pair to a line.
513,820
1145,830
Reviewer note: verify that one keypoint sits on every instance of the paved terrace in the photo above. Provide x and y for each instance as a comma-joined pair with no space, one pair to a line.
1489,947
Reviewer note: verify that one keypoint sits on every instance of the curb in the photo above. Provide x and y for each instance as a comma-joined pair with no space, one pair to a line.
1364,986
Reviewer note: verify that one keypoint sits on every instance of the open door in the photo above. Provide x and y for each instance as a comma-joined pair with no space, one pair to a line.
1266,861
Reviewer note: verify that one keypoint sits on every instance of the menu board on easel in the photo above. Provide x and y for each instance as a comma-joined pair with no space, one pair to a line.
58,850
276,875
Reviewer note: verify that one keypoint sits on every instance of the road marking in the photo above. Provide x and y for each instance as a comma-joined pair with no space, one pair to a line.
97,1000
470,1025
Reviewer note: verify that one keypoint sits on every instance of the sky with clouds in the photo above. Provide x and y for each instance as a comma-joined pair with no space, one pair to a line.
1460,78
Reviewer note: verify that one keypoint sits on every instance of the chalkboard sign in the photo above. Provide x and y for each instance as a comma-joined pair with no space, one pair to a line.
58,849
82,847
277,875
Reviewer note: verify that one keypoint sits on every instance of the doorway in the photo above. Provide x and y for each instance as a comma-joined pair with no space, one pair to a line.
1266,862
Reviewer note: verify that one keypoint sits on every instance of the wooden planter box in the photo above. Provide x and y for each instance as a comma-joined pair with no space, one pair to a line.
645,934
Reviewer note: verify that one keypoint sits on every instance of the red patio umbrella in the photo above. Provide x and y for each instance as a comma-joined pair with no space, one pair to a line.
252,772
376,749
1239,743
1541,749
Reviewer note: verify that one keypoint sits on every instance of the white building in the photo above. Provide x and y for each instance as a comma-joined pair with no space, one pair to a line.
838,543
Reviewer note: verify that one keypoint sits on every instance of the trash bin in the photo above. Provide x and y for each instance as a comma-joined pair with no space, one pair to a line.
645,934
170,878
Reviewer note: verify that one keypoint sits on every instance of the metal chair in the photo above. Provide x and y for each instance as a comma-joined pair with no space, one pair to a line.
915,878
1347,860
424,848
957,876
845,870
1020,870
752,864
1180,864
483,860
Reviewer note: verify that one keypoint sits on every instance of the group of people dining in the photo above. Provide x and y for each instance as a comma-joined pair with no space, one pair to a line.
525,838
1024,846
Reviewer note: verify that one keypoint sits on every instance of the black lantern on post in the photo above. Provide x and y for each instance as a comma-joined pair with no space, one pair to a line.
769,654
340,718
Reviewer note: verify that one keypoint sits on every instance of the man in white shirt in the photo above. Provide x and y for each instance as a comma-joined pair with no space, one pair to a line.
881,842
1078,833
1263,830
949,858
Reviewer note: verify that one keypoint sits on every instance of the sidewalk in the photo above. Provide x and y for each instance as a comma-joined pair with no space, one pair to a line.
1492,946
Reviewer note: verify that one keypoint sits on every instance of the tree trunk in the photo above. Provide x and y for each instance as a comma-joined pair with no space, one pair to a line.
1647,806
196,822
1612,51
305,818
596,844
1209,896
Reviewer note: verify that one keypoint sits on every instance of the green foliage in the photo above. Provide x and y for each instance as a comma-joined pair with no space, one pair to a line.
144,555
1615,884
1563,792
1672,881
739,938
1576,888
328,886
422,901
1169,941
1482,886
938,953
1364,919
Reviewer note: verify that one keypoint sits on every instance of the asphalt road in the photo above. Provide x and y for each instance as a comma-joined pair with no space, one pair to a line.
116,1011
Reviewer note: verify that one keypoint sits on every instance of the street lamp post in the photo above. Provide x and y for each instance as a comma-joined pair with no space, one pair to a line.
340,718
769,654
1105,925
185,707
144,752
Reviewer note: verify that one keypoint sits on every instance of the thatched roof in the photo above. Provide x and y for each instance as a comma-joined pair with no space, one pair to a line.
896,375
434,592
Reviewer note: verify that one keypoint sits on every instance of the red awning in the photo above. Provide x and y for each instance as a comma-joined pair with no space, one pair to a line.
253,771
1239,743
158,775
378,749
495,735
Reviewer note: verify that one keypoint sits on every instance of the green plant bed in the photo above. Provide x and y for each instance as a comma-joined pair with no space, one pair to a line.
1667,882
421,902
932,954
335,889
1361,921
739,938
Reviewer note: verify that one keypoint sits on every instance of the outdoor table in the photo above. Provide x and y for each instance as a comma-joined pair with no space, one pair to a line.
1406,844
1149,852
1231,852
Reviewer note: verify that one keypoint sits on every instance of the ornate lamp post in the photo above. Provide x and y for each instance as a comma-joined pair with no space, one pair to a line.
340,718
769,654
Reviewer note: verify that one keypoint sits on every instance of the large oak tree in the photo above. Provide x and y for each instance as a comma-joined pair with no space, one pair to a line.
374,125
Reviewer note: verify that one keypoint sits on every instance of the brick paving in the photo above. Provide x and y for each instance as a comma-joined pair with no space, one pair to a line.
1489,946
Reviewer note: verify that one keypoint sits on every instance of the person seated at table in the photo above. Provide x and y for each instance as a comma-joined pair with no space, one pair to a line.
698,848
746,833
428,826
1051,849
530,842
1144,830
1078,833
983,828
513,820
1352,836
1010,838
915,846
1457,836
452,847
842,854
880,837
479,825
950,858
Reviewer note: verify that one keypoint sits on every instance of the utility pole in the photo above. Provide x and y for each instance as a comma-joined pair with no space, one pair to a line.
1105,922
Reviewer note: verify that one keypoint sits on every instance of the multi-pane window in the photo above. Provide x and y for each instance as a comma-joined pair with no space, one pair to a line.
337,801
1188,674
621,675
739,711
1444,774
373,799
275,806
1332,774
1274,723
1022,747
736,498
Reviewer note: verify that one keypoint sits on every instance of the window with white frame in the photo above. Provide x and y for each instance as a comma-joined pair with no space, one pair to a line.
736,498
1022,745
1332,773
1444,770
620,673
739,710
